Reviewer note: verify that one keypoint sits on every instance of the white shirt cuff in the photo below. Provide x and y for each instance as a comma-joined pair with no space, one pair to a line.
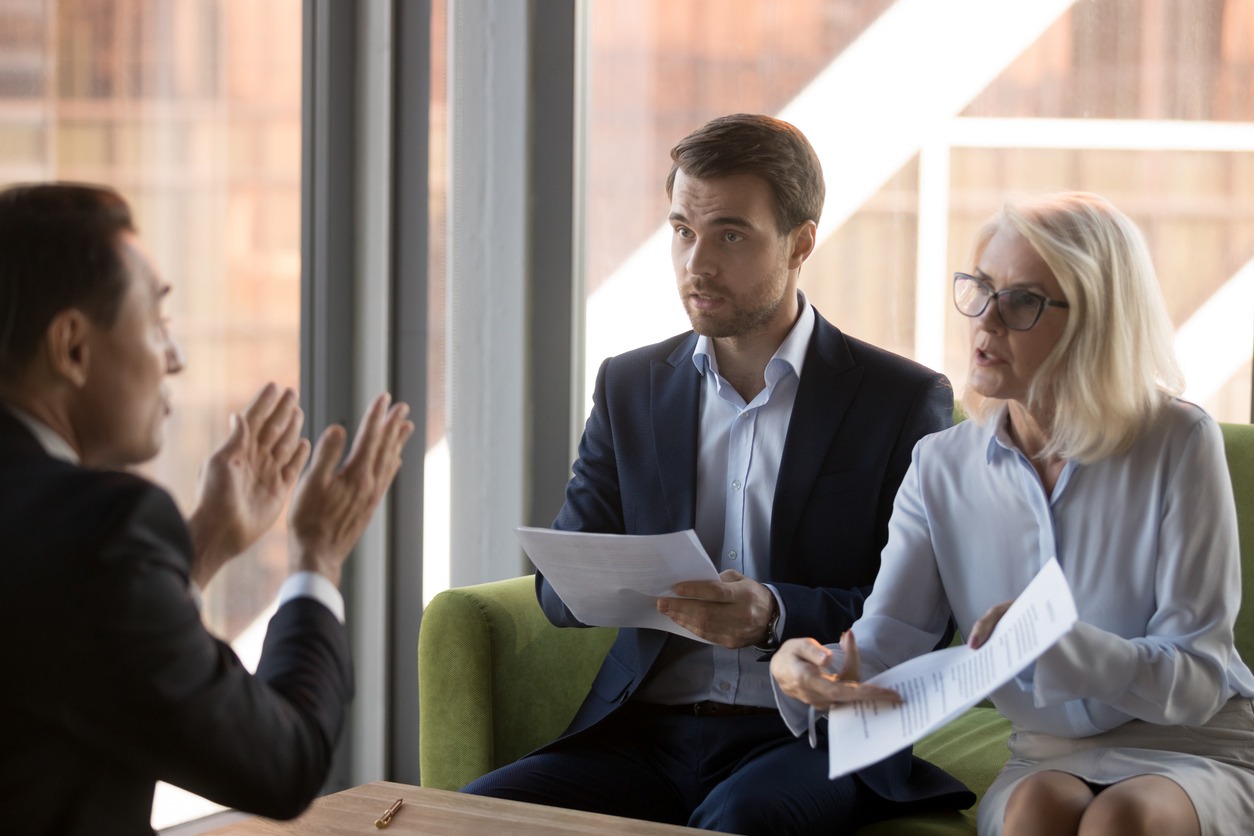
316,586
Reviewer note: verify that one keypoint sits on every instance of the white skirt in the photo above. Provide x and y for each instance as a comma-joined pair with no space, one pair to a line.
1213,764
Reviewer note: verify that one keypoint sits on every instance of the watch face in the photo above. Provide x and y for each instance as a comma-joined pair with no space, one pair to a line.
770,641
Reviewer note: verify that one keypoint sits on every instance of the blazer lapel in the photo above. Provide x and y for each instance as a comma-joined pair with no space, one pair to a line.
674,398
829,381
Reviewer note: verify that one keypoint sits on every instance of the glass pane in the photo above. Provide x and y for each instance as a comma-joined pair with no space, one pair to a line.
1150,104
436,510
191,109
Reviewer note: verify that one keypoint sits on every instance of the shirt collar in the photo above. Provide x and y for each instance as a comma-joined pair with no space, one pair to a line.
997,437
999,444
53,444
790,356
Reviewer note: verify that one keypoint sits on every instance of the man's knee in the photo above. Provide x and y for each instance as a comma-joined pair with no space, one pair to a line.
735,807
518,781
485,784
732,814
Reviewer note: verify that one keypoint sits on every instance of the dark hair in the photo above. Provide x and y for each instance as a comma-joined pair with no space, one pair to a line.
58,250
748,143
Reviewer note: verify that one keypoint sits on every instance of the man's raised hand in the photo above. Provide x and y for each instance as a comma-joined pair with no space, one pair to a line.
334,502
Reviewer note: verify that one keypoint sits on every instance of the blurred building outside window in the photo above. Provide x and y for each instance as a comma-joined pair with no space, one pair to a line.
927,116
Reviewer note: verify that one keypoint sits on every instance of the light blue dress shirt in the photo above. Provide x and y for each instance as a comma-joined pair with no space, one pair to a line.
1147,540
739,449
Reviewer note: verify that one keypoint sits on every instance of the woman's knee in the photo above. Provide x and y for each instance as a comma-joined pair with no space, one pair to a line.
1047,802
1146,804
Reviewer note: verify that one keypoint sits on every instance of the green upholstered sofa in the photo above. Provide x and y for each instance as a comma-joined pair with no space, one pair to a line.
497,680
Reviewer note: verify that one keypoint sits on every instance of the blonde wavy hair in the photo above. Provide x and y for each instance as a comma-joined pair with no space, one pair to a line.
1114,367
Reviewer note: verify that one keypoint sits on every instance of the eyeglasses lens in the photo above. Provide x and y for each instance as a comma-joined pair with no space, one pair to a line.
1019,309
970,296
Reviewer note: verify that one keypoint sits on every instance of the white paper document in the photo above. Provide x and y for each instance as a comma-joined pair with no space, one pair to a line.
937,687
614,580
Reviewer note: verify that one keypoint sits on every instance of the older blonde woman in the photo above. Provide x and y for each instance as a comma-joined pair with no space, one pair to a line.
1139,720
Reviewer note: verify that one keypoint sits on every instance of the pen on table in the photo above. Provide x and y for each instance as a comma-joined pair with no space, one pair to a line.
386,819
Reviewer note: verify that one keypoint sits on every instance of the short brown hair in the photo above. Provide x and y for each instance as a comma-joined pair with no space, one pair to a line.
59,249
748,143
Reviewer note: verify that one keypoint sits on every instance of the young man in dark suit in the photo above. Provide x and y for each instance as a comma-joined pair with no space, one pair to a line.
111,680
781,441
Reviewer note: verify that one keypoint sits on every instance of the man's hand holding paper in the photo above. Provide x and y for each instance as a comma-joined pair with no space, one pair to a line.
619,580
730,612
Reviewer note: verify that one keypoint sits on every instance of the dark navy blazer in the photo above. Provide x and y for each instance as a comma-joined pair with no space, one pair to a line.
858,412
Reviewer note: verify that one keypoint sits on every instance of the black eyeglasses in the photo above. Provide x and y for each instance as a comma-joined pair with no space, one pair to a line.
1019,309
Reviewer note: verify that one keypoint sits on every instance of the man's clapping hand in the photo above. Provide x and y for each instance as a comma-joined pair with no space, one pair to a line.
334,502
246,481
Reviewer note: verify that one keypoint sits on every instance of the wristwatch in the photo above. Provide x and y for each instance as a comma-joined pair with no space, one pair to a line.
770,641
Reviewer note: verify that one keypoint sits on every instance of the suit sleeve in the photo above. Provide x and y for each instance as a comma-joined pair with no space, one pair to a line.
593,501
823,611
176,702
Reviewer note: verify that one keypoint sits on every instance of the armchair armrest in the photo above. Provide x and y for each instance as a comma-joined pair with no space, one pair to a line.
496,679
1239,449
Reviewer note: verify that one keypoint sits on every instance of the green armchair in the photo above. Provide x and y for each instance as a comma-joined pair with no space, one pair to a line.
496,680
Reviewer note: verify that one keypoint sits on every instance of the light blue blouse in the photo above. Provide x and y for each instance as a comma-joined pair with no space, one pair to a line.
1147,540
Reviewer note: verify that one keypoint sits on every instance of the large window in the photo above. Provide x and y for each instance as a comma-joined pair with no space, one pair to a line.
927,116
192,111
436,511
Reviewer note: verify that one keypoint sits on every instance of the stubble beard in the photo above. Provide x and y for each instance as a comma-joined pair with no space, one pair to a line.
738,321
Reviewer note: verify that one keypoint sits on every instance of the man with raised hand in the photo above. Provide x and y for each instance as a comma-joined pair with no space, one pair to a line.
111,680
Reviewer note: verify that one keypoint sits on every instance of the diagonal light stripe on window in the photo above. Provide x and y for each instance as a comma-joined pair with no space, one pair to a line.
867,114
1214,343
